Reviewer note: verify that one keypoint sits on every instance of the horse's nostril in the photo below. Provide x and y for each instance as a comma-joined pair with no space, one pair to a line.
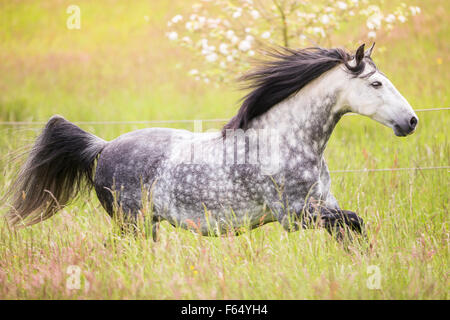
413,122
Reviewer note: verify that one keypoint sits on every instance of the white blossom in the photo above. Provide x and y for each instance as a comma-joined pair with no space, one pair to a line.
207,49
374,21
204,43
249,38
201,20
172,35
193,72
229,34
177,18
401,18
211,57
372,34
223,48
265,35
187,39
325,19
244,45
255,14
237,13
342,5
390,18
318,30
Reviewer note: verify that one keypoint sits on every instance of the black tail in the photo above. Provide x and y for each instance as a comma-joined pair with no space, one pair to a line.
60,161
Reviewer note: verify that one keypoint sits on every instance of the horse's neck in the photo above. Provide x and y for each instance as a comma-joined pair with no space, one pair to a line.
305,121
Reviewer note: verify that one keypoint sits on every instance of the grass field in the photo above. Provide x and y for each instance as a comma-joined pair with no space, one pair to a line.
120,66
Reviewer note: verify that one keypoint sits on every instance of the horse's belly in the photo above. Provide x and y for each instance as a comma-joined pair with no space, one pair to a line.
217,220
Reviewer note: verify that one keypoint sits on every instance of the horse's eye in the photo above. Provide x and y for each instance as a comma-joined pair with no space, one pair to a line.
376,84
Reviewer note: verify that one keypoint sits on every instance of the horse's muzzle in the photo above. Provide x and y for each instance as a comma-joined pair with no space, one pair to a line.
407,128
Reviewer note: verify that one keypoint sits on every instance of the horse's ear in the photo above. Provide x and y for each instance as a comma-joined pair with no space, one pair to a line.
359,54
368,52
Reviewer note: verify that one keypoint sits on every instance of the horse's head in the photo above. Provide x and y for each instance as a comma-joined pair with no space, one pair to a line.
372,94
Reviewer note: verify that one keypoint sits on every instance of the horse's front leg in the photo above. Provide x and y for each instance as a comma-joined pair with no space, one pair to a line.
336,221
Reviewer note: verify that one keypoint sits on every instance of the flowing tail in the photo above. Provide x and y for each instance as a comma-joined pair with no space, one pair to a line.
60,163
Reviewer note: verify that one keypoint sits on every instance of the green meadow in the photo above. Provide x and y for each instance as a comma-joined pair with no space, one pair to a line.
120,66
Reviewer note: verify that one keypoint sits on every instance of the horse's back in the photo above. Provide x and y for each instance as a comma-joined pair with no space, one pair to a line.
130,163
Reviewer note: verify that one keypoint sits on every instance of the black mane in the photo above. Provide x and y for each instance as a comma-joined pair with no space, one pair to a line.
285,74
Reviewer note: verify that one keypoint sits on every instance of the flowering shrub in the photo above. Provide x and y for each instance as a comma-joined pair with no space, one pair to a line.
226,33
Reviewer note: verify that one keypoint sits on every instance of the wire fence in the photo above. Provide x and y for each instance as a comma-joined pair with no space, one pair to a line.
24,123
20,123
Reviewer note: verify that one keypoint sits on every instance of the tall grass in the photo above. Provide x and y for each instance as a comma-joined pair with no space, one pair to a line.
121,67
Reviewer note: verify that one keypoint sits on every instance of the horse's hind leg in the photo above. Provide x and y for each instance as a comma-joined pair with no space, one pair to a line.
137,224
126,210
155,230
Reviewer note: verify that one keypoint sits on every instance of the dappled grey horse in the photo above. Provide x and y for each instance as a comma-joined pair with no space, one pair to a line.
216,182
